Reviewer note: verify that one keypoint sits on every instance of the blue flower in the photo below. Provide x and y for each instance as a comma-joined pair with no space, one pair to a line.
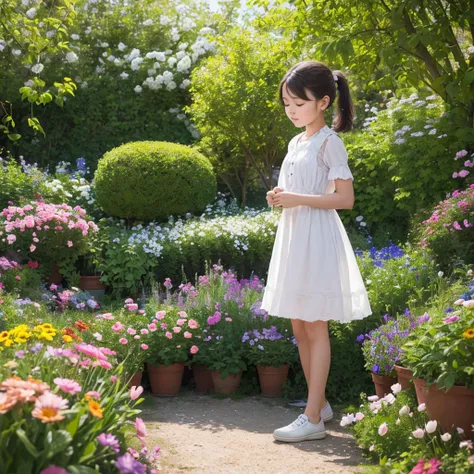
375,368
360,338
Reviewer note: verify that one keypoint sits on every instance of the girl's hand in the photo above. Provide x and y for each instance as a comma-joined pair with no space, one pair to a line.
270,198
286,199
278,190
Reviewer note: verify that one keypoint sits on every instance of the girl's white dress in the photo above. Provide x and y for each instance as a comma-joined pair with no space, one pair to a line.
313,272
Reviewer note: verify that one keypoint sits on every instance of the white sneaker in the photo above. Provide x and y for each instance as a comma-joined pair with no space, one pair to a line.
300,430
327,413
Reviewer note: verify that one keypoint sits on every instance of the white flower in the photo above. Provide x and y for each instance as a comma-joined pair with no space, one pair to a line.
172,61
135,53
432,131
138,89
359,416
363,224
31,13
124,75
399,141
396,388
417,134
164,20
418,433
16,52
460,430
75,37
470,50
148,22
383,429
184,64
421,407
171,85
30,83
431,426
446,437
405,410
121,46
206,30
37,68
136,62
71,57
186,83
359,218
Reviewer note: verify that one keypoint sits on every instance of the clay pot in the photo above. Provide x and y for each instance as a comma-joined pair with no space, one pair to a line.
136,379
454,407
404,377
91,283
382,384
227,385
420,388
272,379
202,378
165,380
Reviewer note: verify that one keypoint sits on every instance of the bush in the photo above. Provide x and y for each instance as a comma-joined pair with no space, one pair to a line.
449,231
150,180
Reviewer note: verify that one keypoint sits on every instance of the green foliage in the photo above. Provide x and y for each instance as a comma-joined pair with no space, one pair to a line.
236,110
150,180
14,183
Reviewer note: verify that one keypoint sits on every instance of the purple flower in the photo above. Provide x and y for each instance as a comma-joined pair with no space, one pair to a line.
451,319
360,338
54,470
20,354
127,465
375,368
110,441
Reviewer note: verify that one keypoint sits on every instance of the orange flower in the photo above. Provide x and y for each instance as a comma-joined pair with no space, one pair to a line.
95,409
81,325
31,384
48,408
469,334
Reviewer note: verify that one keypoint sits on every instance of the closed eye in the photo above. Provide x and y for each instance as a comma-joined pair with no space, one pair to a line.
298,105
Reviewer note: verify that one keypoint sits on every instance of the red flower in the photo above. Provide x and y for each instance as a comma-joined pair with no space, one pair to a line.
32,264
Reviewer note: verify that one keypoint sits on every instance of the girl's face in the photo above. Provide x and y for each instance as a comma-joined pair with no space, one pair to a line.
303,112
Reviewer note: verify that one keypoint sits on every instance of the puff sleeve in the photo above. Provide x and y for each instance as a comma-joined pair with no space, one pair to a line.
336,159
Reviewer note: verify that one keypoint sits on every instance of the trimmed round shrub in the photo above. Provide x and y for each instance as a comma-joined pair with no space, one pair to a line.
151,180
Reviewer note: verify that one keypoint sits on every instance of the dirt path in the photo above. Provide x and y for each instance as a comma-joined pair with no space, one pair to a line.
202,434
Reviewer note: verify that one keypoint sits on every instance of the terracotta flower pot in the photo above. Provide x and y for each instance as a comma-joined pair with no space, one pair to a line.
136,379
91,283
404,377
420,388
227,385
272,379
202,378
382,384
165,380
454,407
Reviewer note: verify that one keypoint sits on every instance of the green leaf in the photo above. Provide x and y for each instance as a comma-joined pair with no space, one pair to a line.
57,441
27,443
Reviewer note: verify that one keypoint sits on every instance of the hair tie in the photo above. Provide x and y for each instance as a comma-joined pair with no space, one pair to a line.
335,77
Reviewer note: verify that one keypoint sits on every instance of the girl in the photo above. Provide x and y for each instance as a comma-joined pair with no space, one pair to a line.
313,275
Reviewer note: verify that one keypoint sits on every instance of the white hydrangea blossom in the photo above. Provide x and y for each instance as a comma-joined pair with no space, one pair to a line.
71,57
136,62
75,37
31,13
37,68
164,20
184,64
172,61
138,89
124,75
121,47
148,22
135,53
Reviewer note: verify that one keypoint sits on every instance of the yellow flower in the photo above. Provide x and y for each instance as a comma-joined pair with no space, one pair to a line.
46,335
469,334
67,338
8,343
3,336
95,409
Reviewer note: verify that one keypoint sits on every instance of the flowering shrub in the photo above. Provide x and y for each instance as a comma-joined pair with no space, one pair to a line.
269,347
48,232
172,337
442,351
382,346
59,299
396,431
449,230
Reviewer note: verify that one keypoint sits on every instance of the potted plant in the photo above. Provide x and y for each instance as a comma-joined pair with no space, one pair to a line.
54,235
441,355
222,352
272,353
172,340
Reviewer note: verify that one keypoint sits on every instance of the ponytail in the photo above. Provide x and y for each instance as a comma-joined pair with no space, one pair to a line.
345,110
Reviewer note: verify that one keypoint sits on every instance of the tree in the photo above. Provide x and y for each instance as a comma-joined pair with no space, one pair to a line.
390,41
235,106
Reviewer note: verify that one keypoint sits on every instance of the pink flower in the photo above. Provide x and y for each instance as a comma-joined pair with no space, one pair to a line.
188,335
122,340
152,327
93,394
135,392
69,243
176,330
141,311
11,238
182,314
160,315
32,248
54,470
98,336
117,327
90,351
143,331
194,349
144,347
132,307
140,428
131,331
193,324
418,433
129,301
18,277
426,467
459,302
359,416
168,284
137,337
180,322
169,335
229,320
113,378
67,385
451,319
468,304
383,429
455,175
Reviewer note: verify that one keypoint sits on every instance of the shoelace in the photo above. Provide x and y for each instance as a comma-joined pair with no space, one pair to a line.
298,422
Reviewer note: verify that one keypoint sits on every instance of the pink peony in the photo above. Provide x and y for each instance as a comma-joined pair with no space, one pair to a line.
122,340
176,330
132,307
193,324
131,331
152,327
117,327
144,347
194,349
182,314
188,335
129,301
180,322
160,315
69,243
169,335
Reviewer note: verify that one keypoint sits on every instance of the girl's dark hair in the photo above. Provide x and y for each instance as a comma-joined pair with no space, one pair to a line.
319,80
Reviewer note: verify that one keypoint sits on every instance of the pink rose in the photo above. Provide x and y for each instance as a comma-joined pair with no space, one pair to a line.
160,315
176,330
188,335
169,335
180,322
194,349
69,243
144,347
122,340
117,327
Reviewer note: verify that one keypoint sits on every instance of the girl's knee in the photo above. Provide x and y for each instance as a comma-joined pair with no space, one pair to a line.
299,330
317,330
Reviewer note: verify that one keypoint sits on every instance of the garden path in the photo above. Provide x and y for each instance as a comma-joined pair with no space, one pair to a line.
204,434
